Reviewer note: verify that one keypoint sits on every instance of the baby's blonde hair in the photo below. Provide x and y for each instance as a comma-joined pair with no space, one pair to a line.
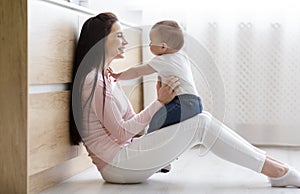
170,32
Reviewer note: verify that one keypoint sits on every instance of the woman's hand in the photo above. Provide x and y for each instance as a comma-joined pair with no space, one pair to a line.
167,91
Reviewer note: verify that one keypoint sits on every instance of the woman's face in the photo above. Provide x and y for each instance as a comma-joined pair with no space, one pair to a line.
115,43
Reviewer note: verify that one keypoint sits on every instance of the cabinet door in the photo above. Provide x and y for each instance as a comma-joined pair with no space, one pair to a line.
49,143
52,36
51,42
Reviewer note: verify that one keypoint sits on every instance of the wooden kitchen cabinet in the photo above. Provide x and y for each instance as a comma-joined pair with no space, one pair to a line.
38,39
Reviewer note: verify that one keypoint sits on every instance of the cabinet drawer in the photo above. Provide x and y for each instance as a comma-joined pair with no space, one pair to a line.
51,43
48,131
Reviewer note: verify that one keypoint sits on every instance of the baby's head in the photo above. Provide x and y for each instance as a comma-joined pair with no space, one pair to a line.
166,37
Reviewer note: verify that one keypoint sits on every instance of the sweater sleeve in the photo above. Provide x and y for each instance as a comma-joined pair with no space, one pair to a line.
113,120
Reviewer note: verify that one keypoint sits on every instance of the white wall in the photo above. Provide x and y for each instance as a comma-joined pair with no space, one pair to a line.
123,9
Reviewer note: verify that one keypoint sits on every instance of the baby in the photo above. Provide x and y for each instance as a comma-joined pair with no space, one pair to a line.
167,39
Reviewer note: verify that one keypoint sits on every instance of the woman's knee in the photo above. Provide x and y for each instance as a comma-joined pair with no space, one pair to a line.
204,119
205,114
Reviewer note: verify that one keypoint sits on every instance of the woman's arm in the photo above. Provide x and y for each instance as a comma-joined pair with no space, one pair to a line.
133,72
112,118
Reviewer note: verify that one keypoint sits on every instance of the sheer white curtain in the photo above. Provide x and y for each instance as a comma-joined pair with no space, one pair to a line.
256,49
258,58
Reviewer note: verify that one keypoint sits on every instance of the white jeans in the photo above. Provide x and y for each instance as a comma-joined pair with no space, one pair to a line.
147,154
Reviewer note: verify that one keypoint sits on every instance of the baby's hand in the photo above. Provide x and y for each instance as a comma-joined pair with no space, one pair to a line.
112,74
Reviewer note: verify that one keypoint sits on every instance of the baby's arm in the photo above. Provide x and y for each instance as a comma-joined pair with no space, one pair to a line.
133,72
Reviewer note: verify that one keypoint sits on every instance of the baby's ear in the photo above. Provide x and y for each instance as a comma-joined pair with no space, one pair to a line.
164,46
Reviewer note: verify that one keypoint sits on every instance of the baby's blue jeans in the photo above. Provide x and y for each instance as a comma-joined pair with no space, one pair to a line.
181,108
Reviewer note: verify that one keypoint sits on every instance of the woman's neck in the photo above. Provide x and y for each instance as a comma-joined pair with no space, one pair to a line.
106,65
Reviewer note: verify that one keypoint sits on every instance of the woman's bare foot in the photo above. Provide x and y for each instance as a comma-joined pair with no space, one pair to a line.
273,168
280,175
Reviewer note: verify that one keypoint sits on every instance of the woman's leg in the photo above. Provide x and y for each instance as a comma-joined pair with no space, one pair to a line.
147,154
231,147
228,145
144,156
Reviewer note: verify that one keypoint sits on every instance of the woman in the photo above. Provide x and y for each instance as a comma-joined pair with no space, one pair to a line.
106,123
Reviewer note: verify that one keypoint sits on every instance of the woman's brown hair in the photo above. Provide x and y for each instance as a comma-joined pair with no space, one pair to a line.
89,56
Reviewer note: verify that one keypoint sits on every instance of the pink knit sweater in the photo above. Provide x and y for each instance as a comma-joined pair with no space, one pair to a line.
108,130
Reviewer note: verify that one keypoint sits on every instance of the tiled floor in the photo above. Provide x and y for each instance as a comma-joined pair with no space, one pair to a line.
190,174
